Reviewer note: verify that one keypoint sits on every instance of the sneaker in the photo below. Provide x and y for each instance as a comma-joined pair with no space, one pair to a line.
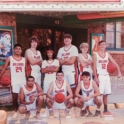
38,115
29,115
45,115
97,114
15,115
67,115
84,113
105,114
90,114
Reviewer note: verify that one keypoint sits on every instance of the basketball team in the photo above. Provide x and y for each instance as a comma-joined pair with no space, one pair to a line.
83,80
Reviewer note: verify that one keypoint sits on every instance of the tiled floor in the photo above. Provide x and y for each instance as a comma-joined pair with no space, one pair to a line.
118,119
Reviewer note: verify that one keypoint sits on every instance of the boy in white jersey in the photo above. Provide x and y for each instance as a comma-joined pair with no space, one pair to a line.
67,57
59,86
31,98
84,60
18,77
49,67
84,64
34,59
100,61
90,95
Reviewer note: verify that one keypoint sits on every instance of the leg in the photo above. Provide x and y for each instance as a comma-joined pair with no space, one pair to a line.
15,101
49,103
98,102
69,103
22,109
39,103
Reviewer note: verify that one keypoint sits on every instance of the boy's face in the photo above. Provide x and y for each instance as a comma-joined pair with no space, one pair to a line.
50,54
30,82
84,49
86,78
59,76
67,41
18,50
102,46
33,44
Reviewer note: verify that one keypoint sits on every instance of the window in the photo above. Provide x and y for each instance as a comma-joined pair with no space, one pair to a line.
115,35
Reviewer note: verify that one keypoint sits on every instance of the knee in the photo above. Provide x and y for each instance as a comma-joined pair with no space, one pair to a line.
75,100
22,109
99,99
40,98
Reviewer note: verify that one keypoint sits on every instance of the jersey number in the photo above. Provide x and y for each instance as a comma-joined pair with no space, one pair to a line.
18,69
103,66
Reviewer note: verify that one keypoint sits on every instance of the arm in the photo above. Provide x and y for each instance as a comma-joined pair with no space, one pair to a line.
49,91
40,91
5,66
96,90
47,70
70,61
30,59
22,98
81,60
61,61
94,69
69,91
113,61
78,90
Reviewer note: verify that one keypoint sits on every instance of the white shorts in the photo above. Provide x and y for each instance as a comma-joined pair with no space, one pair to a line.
37,76
31,106
69,76
104,84
47,82
16,87
89,102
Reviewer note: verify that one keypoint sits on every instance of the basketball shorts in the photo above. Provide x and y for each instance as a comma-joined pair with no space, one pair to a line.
69,76
47,82
31,106
104,84
16,87
89,102
37,76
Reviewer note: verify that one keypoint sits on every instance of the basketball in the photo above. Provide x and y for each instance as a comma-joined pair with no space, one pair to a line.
59,98
111,68
5,80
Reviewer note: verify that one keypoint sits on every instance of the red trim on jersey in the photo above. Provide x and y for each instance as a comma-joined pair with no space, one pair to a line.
16,59
29,89
57,85
68,48
86,57
101,56
34,52
49,62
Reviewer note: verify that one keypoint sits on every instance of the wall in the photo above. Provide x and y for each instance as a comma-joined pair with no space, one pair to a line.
7,19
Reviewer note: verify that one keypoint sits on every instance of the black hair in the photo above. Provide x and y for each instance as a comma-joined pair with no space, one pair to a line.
67,36
86,73
17,45
30,77
101,42
53,57
59,71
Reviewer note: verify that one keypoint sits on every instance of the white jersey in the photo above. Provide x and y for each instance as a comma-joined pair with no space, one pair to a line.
86,68
28,93
17,68
62,90
35,56
62,53
87,92
101,63
50,64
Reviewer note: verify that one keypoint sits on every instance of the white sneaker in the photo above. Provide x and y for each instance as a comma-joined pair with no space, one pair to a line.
45,115
15,115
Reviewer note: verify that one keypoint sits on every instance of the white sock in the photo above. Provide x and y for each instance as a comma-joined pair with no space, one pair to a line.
84,108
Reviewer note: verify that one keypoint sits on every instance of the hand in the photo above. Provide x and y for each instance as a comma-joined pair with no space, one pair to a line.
86,99
119,75
31,98
89,62
96,80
